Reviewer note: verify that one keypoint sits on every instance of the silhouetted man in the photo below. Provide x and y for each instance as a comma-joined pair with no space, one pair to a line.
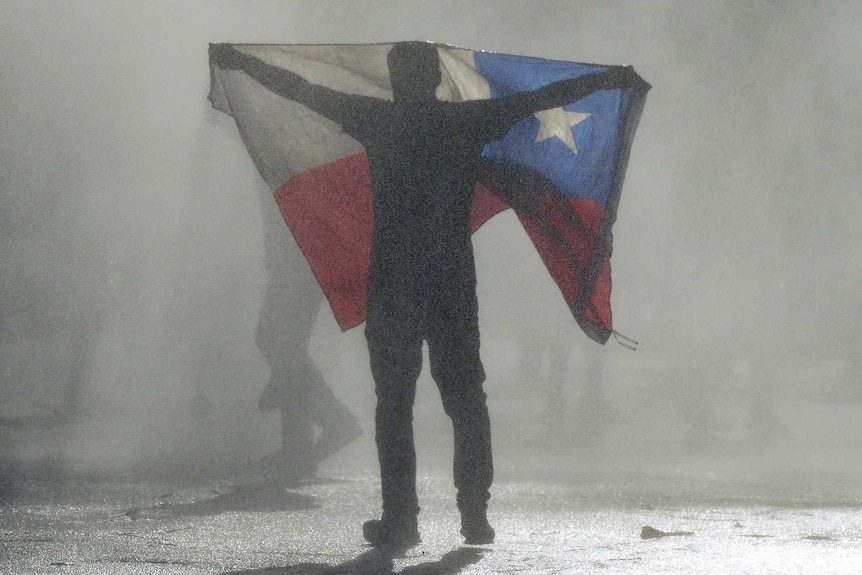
424,157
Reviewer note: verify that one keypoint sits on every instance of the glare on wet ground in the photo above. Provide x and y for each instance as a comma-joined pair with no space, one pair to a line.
587,525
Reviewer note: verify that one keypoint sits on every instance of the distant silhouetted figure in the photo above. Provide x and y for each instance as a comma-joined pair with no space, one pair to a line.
424,157
314,423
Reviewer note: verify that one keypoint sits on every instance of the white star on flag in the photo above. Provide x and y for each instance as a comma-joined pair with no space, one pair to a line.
557,122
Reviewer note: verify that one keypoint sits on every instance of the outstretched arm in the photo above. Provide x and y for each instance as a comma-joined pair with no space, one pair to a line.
325,101
568,91
511,109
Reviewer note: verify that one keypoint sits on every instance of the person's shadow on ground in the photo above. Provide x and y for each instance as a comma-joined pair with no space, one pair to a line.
377,562
264,497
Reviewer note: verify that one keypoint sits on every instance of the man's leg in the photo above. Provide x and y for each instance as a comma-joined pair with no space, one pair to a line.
286,321
458,371
338,426
294,462
396,361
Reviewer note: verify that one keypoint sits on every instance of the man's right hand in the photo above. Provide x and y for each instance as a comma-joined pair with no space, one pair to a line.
618,78
226,56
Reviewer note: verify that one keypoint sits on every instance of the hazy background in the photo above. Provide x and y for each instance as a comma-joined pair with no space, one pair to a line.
132,249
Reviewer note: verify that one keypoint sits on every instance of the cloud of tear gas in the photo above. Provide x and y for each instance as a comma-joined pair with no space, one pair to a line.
133,234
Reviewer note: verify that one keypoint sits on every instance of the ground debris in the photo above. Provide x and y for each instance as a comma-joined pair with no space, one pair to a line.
648,532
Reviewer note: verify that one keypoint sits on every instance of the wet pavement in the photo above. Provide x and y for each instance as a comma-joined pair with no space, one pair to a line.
581,524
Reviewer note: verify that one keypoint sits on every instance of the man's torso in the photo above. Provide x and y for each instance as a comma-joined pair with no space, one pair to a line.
424,161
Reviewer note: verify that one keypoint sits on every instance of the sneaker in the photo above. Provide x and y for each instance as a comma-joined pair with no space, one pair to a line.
477,531
287,468
380,534
337,436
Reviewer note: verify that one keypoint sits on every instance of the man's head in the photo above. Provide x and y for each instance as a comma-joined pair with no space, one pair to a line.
414,70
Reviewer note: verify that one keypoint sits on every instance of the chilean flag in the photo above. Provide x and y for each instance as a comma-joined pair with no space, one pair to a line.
560,170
